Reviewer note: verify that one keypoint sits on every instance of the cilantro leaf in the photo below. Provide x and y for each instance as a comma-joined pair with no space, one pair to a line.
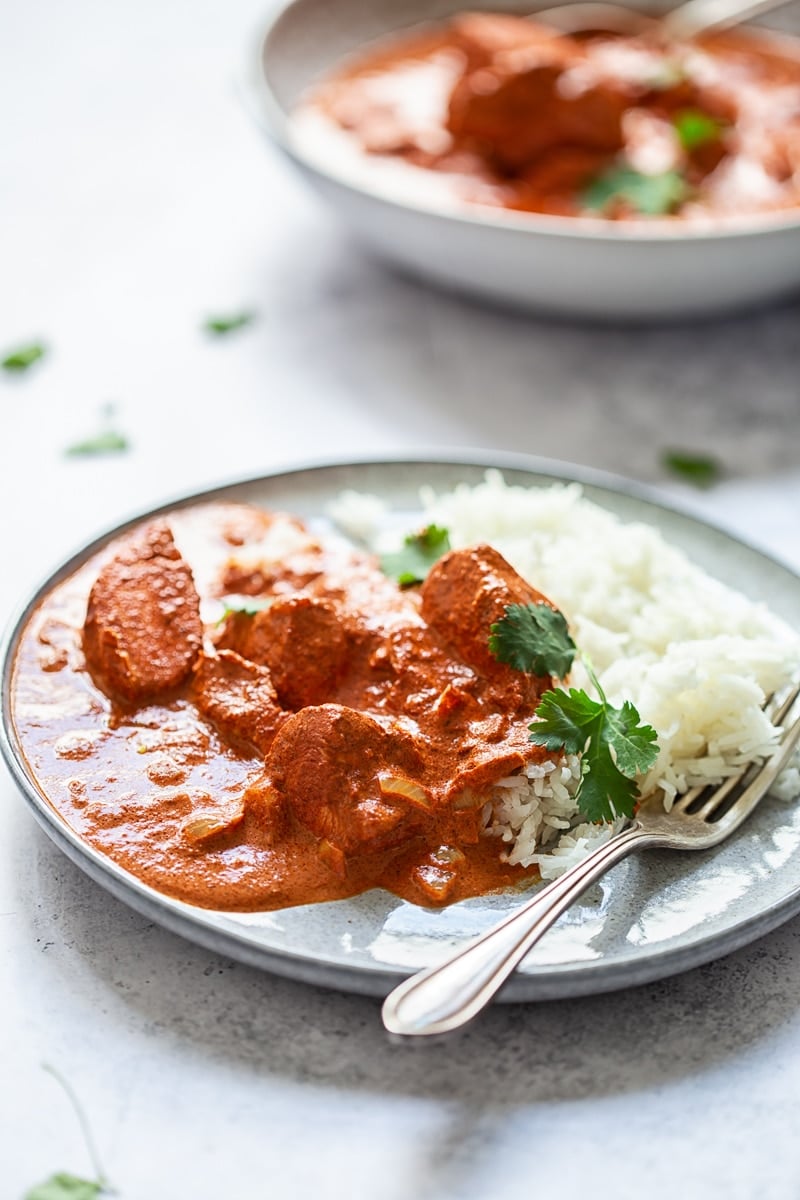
614,748
635,745
107,442
565,720
65,1187
535,638
651,195
695,128
699,469
420,551
228,324
23,357
604,793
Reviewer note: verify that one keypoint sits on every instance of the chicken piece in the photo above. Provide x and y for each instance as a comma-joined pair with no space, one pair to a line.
480,768
552,183
238,697
305,642
516,104
142,632
781,151
329,762
465,592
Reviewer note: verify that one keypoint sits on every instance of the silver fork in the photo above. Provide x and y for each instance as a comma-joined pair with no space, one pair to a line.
445,997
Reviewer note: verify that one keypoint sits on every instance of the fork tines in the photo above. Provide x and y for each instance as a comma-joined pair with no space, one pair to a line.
713,801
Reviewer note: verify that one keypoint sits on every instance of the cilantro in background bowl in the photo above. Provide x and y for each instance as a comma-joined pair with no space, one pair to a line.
695,128
651,195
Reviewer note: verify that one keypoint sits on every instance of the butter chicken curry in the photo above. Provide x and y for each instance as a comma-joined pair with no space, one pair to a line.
247,718
508,112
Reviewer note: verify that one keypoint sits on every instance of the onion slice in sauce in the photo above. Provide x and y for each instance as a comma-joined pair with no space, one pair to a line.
415,793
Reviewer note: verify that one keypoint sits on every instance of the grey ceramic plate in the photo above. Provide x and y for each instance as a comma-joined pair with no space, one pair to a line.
651,917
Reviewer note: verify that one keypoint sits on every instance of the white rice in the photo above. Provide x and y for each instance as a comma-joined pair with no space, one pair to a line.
695,657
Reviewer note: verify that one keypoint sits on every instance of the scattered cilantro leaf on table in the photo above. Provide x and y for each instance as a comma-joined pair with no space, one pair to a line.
419,552
651,195
534,638
700,469
695,128
65,1187
109,441
229,323
22,357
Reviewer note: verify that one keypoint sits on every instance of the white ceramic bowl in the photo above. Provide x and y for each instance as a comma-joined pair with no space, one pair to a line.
565,265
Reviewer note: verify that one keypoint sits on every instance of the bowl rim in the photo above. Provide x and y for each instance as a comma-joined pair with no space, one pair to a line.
270,115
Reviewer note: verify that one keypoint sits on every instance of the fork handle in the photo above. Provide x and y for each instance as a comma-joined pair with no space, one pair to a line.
442,998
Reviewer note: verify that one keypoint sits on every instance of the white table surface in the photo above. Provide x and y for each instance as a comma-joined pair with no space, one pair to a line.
135,200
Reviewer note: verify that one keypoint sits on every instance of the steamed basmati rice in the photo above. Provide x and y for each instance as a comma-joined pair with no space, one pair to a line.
695,657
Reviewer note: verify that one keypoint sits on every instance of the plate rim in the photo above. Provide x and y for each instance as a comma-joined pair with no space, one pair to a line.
548,981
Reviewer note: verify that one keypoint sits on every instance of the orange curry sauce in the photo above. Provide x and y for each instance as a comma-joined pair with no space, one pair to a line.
503,111
334,733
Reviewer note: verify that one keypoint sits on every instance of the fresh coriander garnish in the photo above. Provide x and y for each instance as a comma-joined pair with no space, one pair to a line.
228,324
613,745
247,605
107,442
700,469
420,551
695,128
65,1187
23,357
651,195
535,638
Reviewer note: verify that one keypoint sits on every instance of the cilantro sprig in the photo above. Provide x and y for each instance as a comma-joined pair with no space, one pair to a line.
419,552
613,744
63,1185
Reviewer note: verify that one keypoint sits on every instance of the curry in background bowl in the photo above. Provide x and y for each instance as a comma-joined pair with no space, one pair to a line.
504,111
411,120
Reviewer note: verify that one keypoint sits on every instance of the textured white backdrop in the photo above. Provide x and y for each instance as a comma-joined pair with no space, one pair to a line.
135,199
